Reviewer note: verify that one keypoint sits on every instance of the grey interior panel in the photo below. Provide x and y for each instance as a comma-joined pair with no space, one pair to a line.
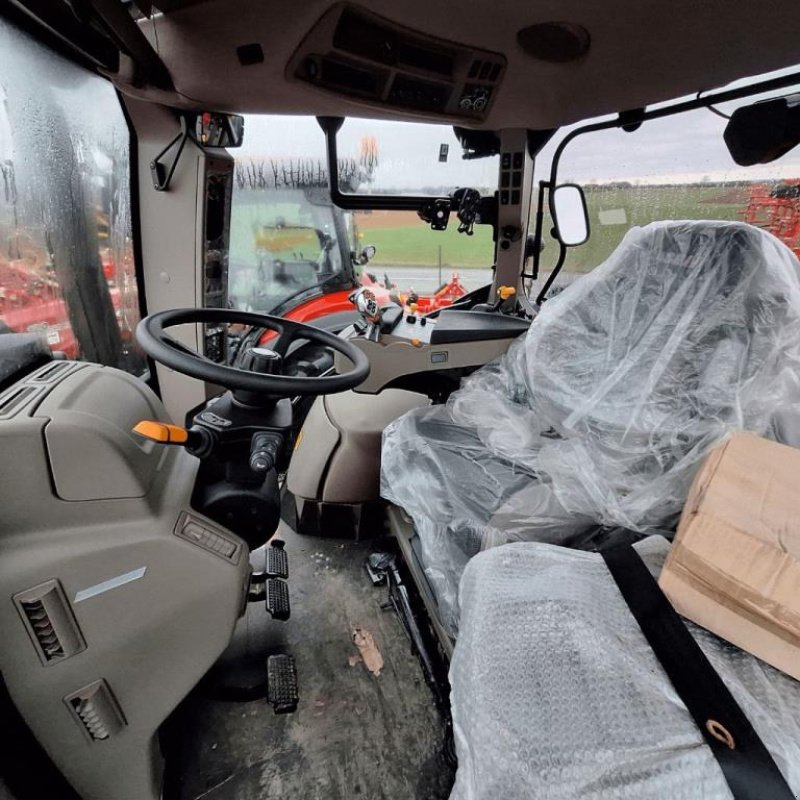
337,460
109,617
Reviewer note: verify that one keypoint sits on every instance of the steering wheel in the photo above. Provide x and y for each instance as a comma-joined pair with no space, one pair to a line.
153,339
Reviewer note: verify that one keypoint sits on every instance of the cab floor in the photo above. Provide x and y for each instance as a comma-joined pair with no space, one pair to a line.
354,735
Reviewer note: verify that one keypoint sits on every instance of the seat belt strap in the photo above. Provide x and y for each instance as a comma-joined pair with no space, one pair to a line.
748,767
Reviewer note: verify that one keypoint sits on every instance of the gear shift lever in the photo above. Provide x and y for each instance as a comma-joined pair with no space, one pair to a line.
367,305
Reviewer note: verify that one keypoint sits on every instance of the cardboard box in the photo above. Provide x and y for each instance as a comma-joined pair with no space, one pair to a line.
735,565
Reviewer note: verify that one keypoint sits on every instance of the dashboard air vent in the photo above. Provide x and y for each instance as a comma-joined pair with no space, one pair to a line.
50,622
96,710
52,372
14,400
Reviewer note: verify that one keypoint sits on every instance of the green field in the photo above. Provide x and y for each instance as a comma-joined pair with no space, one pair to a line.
418,245
415,244
641,205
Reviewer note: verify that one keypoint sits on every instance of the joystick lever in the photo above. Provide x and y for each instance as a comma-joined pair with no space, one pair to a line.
367,305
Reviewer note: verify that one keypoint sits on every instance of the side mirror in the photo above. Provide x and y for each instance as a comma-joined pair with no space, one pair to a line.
569,213
210,129
366,255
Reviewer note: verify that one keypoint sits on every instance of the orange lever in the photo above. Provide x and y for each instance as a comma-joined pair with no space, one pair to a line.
161,432
506,291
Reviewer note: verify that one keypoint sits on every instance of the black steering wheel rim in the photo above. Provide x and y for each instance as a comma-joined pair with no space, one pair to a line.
153,339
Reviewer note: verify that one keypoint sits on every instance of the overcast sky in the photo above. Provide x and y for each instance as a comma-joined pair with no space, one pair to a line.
683,148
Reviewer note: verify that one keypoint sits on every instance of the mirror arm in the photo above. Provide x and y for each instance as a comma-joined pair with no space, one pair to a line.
562,257
162,173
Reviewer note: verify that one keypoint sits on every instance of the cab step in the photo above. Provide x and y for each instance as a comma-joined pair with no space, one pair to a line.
277,599
282,693
277,560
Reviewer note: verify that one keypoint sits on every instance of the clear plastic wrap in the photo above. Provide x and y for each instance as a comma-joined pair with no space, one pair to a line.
602,413
557,695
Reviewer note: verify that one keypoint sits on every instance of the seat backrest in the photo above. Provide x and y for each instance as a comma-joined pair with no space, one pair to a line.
688,331
687,326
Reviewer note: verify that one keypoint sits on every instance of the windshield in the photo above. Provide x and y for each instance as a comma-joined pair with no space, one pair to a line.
289,243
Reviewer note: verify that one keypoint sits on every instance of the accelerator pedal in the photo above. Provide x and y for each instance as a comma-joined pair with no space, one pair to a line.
277,599
282,692
277,560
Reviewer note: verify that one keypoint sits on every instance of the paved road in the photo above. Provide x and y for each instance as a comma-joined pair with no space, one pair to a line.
426,279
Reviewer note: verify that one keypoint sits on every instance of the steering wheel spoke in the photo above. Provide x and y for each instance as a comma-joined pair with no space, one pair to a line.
281,344
182,348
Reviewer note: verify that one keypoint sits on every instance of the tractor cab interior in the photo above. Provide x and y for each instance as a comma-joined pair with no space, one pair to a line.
287,511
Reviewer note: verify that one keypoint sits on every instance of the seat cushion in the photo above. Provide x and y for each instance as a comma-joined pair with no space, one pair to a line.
556,694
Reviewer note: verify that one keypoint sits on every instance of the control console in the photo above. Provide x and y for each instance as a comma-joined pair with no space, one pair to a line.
400,343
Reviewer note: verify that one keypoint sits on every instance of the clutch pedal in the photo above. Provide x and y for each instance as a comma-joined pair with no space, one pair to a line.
282,692
277,560
277,599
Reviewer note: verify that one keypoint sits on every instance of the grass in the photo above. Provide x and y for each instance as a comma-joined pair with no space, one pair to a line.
640,205
418,245
415,244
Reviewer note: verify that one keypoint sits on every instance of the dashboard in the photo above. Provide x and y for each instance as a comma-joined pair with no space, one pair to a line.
403,344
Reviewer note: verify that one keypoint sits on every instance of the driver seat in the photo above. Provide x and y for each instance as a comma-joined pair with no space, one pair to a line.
603,412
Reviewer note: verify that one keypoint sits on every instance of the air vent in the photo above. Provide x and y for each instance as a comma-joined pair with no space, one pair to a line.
14,400
483,70
367,37
96,710
51,373
50,622
338,73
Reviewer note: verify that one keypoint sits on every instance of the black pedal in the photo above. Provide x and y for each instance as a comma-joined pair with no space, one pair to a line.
277,560
282,692
278,599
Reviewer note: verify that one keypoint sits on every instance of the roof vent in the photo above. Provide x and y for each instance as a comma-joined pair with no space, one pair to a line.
484,70
96,710
50,622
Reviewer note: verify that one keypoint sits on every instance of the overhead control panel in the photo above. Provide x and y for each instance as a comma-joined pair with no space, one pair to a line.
354,52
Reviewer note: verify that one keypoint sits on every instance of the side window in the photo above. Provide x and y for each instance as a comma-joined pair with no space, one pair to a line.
670,169
66,258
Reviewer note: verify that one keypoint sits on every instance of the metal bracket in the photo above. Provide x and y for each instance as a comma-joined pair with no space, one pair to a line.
161,172
436,212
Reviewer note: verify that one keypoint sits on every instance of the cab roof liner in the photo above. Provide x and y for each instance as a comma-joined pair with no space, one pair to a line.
624,54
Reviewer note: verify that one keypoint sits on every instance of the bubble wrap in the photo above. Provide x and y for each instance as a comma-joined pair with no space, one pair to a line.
604,410
556,694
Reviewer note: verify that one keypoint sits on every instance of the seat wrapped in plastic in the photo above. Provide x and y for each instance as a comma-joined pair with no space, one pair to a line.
557,695
602,413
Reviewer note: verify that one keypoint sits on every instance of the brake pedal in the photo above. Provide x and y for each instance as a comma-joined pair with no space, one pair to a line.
282,692
277,560
277,599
